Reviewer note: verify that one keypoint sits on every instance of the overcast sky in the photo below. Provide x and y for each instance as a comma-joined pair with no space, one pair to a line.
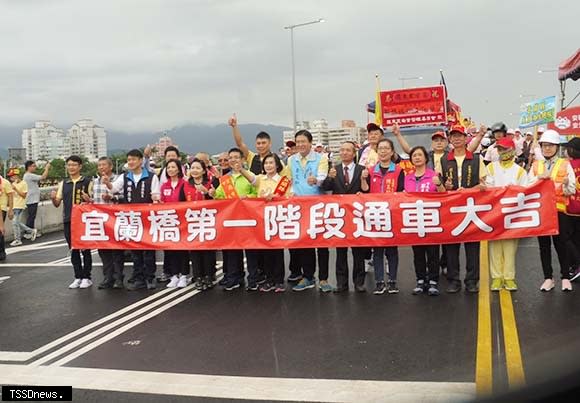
155,64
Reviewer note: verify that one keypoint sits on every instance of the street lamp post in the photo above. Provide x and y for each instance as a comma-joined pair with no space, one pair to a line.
291,28
403,79
562,86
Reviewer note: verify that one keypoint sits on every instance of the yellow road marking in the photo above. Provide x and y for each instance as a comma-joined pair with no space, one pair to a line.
483,361
513,355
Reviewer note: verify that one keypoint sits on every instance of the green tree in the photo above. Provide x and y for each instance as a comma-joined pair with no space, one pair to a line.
57,170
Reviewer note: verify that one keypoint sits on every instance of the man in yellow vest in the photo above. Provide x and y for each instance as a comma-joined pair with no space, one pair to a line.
559,171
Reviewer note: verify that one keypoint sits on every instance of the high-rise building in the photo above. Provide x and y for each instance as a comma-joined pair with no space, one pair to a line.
44,141
87,139
164,142
331,137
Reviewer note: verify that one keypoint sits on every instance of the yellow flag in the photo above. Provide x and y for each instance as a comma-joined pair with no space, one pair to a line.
378,107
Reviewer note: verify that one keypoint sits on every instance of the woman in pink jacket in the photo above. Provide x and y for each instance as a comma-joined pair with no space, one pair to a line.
425,257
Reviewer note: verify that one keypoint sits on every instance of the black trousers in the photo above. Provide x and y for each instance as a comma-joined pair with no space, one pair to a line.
203,262
174,261
143,265
295,265
559,241
358,266
233,266
426,260
31,209
2,240
323,256
113,264
81,269
274,265
573,241
307,259
471,258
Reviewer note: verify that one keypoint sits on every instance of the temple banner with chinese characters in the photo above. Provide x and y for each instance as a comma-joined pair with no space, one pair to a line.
414,106
321,221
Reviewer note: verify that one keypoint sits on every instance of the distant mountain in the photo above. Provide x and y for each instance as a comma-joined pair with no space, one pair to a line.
190,138
193,138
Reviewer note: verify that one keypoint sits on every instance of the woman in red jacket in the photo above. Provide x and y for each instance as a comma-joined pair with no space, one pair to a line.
174,260
199,186
385,177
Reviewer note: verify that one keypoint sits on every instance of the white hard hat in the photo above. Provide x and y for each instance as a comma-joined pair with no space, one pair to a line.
541,129
550,136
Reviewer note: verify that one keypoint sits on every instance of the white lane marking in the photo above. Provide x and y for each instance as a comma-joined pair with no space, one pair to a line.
109,326
4,278
70,346
239,387
34,246
25,356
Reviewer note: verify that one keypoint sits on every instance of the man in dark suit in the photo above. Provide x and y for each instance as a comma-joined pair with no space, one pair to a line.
345,178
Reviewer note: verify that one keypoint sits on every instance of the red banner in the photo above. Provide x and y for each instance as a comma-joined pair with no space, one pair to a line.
328,221
567,122
414,106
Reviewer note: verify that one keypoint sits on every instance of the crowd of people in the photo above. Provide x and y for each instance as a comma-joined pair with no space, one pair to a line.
494,157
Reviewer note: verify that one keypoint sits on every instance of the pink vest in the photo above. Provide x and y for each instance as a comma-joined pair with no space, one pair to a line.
425,184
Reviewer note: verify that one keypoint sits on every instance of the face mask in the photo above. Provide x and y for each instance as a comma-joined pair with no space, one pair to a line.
507,155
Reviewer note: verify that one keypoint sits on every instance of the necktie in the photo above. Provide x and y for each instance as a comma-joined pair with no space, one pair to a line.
346,177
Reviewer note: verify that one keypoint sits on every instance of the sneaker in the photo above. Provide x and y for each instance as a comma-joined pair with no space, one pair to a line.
75,284
547,285
497,284
173,282
267,287
453,287
163,278
207,282
419,288
232,286
433,290
279,288
198,284
566,285
511,285
223,281
295,277
252,287
151,284
182,283
304,284
380,288
392,287
16,242
118,285
575,274
86,283
27,236
324,286
262,280
33,234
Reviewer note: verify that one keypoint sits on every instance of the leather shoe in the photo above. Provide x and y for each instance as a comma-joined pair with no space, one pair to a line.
453,287
472,288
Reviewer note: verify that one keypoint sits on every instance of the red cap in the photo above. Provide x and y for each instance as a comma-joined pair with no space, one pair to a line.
290,143
458,129
505,142
439,133
373,126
